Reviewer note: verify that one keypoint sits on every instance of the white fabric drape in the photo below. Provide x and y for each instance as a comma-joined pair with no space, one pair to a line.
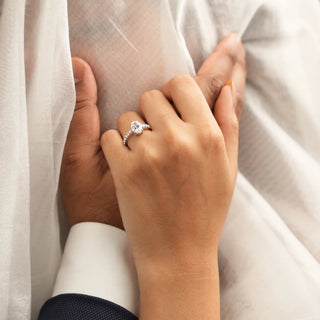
36,105
270,249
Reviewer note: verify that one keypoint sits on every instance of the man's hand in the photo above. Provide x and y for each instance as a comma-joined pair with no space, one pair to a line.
86,184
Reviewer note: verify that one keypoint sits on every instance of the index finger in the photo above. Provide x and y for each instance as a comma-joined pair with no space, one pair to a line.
187,98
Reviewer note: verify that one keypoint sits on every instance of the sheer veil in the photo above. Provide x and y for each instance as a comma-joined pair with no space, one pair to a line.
269,252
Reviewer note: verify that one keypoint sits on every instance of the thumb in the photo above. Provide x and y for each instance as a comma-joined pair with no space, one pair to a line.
84,131
227,62
228,122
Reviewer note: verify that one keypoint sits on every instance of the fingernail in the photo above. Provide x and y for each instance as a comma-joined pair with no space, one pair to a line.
229,83
77,70
232,89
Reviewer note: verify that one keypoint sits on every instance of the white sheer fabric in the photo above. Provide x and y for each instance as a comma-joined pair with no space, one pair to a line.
270,249
36,105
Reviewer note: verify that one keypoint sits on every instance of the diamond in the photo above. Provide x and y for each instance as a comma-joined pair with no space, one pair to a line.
136,127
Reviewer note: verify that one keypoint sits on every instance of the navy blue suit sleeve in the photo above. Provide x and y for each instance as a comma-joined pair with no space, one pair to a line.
82,307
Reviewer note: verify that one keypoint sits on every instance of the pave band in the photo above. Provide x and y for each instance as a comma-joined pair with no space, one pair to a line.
136,128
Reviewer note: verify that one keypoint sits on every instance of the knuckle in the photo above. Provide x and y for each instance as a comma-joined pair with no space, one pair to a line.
176,146
231,55
217,144
106,137
234,124
242,58
215,85
181,149
180,79
72,159
230,122
185,150
211,139
154,92
150,158
146,97
84,103
243,65
206,134
239,104
170,133
175,142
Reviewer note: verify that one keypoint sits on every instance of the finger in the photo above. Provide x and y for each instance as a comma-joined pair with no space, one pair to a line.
124,126
114,151
86,87
217,69
228,123
188,99
157,110
238,78
84,131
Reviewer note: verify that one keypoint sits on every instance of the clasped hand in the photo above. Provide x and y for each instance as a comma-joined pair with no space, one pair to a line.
173,184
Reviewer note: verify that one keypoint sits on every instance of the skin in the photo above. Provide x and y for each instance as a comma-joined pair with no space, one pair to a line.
174,186
173,190
86,184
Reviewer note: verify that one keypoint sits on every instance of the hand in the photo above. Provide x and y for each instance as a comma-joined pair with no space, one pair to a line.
174,186
85,181
86,184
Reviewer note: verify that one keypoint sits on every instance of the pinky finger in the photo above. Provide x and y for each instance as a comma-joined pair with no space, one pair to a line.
228,122
113,149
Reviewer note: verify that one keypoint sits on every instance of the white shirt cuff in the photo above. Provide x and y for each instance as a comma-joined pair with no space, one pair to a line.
97,261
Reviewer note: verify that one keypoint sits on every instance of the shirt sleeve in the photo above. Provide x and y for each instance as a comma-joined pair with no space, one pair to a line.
97,261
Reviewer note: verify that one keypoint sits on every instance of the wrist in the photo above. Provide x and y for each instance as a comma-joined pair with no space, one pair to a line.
166,272
165,264
166,293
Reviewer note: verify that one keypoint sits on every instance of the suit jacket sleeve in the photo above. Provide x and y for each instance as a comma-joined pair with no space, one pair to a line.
83,307
96,278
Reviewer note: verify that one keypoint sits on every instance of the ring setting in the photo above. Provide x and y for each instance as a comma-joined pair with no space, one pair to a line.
137,129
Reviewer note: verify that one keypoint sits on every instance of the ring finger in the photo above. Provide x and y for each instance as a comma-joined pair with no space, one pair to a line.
124,126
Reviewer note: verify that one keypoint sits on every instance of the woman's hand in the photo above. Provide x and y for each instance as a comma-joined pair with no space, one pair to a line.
174,186
85,181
